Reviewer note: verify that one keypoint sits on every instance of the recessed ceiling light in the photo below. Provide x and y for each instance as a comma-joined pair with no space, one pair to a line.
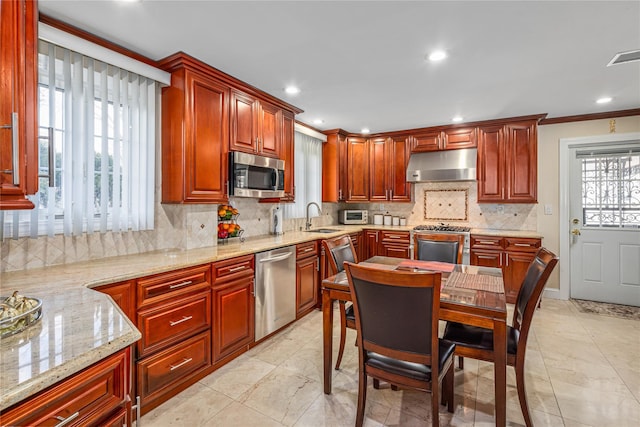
604,100
318,121
292,90
437,55
365,130
457,119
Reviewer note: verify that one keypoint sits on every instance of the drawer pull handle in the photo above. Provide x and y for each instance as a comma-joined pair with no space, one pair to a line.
65,421
176,322
484,242
308,249
234,269
391,236
179,285
184,362
485,257
526,245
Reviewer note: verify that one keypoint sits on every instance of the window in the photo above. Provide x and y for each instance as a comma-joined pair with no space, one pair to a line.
611,188
96,148
308,175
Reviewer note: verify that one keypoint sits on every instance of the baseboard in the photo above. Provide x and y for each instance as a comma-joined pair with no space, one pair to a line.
553,294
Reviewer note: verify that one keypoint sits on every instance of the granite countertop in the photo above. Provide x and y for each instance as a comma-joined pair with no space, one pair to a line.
61,343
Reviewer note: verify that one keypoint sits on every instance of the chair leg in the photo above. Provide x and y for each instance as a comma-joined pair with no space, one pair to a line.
435,404
362,397
343,333
522,395
448,380
376,383
460,362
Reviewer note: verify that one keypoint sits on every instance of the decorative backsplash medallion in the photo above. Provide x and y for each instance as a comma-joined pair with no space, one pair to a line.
446,205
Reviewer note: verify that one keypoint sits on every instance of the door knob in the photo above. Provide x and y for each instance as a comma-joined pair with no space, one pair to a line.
575,232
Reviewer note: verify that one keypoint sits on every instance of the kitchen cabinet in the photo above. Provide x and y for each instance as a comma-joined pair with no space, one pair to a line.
512,254
449,138
307,277
18,104
174,317
507,162
387,243
357,170
98,395
288,155
389,158
356,239
255,125
334,167
233,307
123,295
195,133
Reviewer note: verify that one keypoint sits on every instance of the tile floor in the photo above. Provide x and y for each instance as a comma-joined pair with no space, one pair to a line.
582,370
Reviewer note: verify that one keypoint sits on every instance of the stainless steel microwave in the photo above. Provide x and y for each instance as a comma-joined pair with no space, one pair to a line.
255,176
353,216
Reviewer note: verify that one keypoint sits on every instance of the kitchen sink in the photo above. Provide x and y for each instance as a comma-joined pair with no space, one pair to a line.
323,230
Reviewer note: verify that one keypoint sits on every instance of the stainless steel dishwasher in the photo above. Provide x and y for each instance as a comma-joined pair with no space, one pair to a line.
275,290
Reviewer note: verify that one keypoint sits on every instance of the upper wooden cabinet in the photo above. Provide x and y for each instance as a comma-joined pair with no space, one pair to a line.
18,103
435,139
195,136
507,162
255,125
288,155
357,169
388,169
334,167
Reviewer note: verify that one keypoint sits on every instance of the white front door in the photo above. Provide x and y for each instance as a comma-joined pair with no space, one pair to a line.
604,204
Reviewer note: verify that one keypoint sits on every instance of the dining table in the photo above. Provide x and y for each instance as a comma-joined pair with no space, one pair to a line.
469,294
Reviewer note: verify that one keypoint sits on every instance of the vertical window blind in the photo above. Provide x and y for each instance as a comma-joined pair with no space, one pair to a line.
308,175
96,148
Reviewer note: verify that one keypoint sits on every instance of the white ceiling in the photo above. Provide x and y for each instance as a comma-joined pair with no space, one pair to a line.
362,63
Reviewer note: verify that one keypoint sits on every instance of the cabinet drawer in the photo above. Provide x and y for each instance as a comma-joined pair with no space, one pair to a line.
166,324
486,242
161,373
308,249
89,396
394,236
165,286
513,244
234,267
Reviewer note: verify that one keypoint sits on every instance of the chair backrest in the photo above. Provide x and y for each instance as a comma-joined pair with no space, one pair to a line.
438,247
531,291
396,311
339,249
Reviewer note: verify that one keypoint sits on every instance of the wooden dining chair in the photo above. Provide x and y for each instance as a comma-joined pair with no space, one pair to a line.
397,316
339,250
438,247
477,343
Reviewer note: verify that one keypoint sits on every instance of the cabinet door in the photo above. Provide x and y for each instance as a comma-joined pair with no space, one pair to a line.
399,152
334,170
522,162
357,170
396,251
486,258
307,273
378,165
288,155
233,323
394,244
244,123
206,150
18,104
426,141
514,271
356,239
123,295
459,138
370,244
491,173
269,130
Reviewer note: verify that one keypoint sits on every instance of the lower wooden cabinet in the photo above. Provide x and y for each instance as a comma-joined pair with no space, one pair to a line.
512,254
123,295
233,306
387,243
307,277
96,396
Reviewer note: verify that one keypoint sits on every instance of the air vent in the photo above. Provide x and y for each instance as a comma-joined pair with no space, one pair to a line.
622,57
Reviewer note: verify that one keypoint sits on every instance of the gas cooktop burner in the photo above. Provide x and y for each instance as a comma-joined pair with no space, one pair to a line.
442,227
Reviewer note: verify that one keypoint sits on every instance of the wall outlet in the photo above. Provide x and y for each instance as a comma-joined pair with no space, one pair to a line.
548,209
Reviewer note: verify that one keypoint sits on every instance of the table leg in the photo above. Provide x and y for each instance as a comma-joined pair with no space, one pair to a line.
327,338
500,370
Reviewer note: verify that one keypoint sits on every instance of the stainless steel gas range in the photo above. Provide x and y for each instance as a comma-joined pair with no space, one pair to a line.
448,229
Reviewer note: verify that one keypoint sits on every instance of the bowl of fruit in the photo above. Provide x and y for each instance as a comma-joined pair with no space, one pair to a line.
226,213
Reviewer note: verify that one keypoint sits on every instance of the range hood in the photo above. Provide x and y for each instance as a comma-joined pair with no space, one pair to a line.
447,165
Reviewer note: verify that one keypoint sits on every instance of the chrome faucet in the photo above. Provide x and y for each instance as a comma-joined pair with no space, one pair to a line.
307,225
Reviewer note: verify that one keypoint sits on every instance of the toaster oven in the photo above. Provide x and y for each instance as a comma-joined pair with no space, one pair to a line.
353,216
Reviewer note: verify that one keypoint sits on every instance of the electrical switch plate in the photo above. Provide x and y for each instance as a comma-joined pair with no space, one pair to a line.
548,210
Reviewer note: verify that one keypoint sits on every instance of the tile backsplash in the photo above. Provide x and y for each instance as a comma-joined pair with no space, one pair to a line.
194,226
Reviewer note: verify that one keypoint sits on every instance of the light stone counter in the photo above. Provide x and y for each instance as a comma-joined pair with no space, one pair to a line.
509,233
81,326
